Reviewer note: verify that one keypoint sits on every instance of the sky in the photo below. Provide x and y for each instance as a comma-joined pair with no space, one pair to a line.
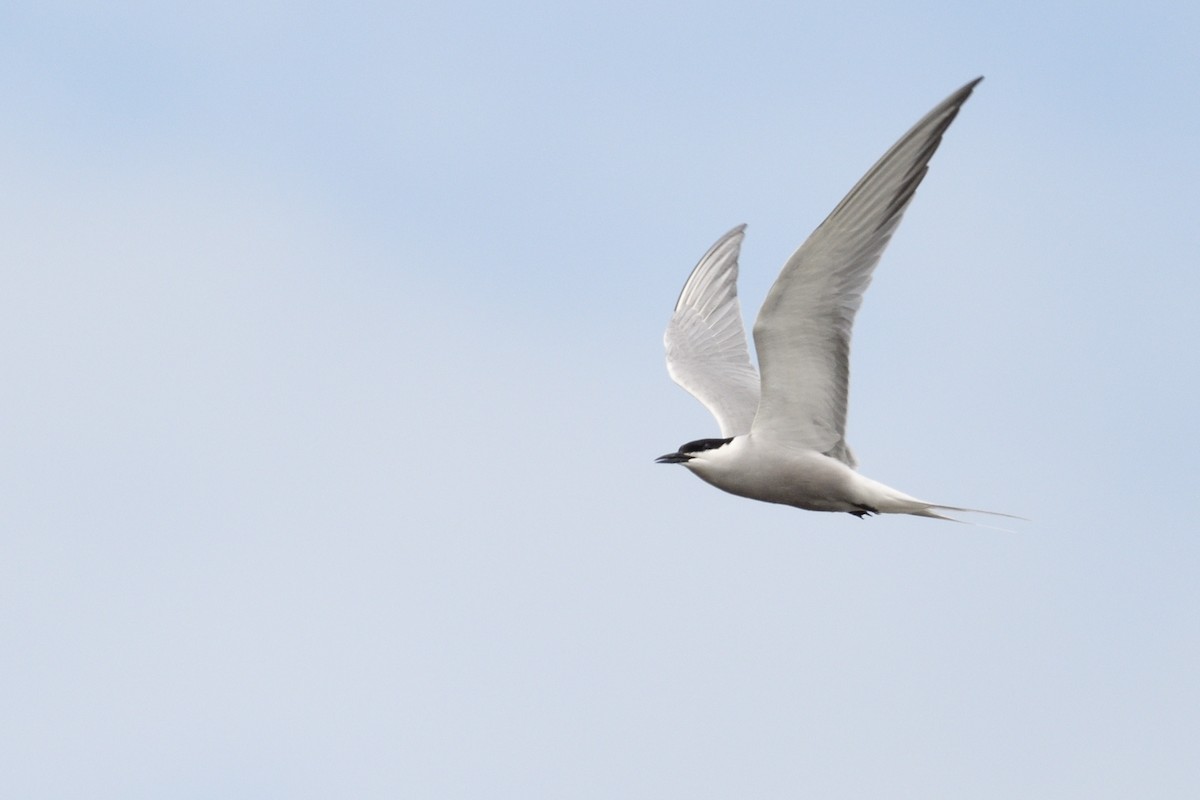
332,345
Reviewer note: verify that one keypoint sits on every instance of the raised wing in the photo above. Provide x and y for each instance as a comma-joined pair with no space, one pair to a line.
707,352
803,330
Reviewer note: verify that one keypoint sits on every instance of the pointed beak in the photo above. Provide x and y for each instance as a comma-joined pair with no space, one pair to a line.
673,458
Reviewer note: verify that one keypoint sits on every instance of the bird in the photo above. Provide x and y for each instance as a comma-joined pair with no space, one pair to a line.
783,426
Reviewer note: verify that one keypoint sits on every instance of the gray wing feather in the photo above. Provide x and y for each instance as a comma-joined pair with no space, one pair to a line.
707,351
802,333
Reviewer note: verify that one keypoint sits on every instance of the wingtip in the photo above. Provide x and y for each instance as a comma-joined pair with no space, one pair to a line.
969,87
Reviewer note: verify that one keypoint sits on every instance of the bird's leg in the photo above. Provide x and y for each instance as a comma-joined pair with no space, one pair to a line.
866,511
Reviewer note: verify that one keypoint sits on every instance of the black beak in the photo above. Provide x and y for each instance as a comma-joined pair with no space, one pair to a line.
673,458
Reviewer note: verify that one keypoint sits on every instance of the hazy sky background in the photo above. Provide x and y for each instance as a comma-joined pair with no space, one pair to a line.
332,379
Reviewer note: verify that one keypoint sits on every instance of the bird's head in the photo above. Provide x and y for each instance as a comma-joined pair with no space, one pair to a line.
691,450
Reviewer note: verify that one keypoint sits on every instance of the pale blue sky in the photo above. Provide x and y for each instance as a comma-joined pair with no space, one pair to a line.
331,338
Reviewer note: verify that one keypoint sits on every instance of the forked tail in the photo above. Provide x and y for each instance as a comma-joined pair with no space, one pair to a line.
882,499
927,510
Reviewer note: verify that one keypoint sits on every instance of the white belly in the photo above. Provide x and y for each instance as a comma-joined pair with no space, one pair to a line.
796,477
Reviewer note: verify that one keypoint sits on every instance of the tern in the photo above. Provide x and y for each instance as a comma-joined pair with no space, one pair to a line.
783,434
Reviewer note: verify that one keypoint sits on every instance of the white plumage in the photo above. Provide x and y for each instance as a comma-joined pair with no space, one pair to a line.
783,434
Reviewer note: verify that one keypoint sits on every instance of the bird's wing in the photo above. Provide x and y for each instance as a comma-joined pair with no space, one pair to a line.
802,333
707,352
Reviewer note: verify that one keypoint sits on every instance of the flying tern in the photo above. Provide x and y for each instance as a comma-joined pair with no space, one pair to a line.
783,433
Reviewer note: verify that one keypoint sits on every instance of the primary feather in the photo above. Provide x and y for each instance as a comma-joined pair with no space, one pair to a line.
706,345
802,333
